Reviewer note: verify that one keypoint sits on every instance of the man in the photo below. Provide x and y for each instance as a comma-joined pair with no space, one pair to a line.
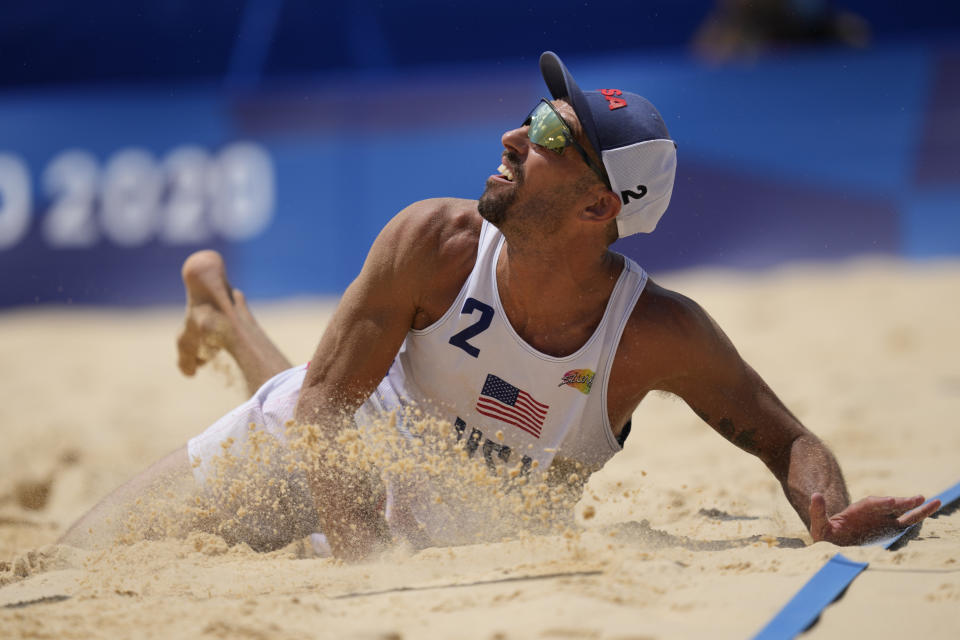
510,319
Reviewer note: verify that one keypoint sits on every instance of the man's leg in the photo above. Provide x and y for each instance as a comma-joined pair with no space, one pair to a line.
218,318
254,502
104,523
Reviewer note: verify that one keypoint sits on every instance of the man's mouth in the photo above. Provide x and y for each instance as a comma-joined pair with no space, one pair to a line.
504,171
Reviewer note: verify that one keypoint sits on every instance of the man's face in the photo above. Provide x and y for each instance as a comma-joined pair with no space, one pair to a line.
534,185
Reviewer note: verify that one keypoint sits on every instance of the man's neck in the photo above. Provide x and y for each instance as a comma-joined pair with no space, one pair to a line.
555,296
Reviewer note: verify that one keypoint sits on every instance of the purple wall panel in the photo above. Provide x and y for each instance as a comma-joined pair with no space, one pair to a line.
938,155
721,216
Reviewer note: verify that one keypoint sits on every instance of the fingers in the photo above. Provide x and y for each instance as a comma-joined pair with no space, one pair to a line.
899,505
897,509
918,514
904,512
889,507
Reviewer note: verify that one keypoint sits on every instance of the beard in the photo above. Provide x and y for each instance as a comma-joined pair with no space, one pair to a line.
493,206
535,214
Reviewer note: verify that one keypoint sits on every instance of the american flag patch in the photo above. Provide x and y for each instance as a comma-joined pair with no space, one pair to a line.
501,400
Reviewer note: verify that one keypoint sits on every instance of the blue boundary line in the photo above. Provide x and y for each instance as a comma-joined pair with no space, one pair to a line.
829,583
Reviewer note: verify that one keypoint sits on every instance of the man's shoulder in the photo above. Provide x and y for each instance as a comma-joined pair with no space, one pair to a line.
434,210
664,326
663,309
665,335
434,245
431,244
438,219
441,229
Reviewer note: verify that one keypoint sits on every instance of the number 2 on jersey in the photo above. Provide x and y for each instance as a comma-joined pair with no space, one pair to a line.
478,327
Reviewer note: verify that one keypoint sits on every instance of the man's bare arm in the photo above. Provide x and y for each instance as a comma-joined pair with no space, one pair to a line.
353,355
733,399
416,263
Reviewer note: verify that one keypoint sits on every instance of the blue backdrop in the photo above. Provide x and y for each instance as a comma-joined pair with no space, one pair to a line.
808,154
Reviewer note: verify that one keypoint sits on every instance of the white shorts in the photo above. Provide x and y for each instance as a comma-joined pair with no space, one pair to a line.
228,459
269,408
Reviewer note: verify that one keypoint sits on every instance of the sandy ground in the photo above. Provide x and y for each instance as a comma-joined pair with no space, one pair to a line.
865,354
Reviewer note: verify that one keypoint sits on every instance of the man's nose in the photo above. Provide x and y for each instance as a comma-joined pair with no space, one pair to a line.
516,140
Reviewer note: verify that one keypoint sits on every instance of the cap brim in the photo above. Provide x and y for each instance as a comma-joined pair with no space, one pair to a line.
562,86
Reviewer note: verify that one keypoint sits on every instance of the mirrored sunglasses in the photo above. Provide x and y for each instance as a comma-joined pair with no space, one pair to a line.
548,129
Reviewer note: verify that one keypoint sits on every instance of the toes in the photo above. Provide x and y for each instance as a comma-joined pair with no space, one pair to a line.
187,365
187,354
191,347
205,332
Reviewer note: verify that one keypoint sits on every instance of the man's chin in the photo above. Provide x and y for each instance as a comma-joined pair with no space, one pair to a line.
491,213
493,206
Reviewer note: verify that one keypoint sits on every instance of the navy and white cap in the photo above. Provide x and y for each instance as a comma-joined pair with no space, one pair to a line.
632,141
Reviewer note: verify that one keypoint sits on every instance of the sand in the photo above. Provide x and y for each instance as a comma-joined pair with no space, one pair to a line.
704,543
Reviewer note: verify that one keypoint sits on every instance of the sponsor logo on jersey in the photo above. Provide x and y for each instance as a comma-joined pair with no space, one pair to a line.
579,379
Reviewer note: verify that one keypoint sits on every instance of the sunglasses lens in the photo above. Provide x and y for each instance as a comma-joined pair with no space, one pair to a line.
547,130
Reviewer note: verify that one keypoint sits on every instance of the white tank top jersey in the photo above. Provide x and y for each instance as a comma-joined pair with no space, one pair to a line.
471,368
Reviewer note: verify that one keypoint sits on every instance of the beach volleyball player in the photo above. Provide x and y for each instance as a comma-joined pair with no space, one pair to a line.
512,315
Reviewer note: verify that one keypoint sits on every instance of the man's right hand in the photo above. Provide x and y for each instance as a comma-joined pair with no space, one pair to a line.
868,519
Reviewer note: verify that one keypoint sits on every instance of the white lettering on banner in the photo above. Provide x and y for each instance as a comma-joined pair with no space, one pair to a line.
187,171
132,185
189,197
244,191
15,200
70,180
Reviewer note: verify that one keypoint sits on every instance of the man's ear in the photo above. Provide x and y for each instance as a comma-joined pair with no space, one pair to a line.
604,208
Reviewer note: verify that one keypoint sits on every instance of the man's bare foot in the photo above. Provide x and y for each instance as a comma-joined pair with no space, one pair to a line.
211,316
217,318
